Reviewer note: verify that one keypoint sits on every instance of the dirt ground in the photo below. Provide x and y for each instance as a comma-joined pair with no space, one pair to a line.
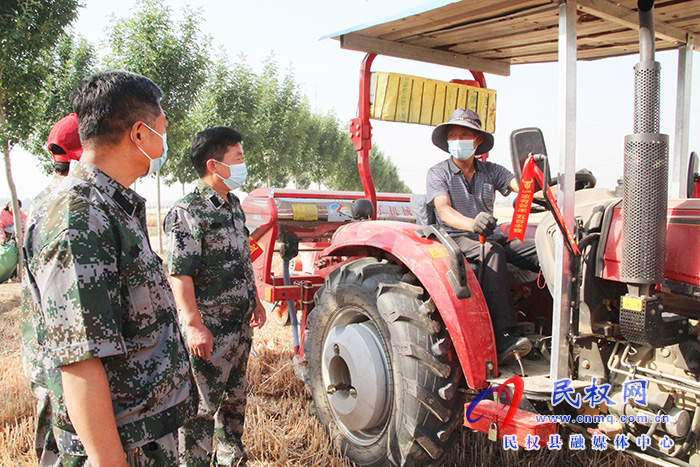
280,431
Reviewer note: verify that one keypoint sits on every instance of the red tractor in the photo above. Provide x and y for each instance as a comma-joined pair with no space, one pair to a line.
394,326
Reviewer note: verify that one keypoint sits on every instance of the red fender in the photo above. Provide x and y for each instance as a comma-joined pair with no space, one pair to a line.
467,320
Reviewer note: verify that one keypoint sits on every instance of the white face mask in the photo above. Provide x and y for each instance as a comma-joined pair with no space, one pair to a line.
237,177
158,162
461,149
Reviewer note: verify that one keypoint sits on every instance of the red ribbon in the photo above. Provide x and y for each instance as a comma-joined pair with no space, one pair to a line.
523,203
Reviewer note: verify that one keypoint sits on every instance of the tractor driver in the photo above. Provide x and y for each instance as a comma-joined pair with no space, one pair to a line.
461,189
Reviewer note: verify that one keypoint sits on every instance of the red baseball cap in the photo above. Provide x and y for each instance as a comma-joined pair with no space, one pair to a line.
64,134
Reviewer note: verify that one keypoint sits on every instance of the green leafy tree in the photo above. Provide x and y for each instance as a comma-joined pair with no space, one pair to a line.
176,56
72,61
302,153
232,98
284,140
333,145
269,114
385,175
29,30
276,123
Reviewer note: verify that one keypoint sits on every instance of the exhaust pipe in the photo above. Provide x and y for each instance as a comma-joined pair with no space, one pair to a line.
645,190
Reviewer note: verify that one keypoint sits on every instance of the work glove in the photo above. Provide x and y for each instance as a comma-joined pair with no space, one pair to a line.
484,224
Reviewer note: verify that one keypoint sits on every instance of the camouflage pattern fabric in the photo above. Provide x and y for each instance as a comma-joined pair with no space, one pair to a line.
159,453
207,240
33,361
222,385
47,453
101,292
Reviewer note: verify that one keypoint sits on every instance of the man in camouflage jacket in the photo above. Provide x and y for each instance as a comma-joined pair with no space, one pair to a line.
104,313
64,146
212,279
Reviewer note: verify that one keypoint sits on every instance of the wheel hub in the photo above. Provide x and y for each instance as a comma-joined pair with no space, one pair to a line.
355,374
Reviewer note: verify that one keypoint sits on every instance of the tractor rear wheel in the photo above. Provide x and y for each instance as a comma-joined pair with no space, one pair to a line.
381,367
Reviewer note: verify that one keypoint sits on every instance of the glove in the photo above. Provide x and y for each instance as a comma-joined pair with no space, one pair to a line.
484,224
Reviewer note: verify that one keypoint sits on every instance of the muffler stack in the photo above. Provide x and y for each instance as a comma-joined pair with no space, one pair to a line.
645,169
642,319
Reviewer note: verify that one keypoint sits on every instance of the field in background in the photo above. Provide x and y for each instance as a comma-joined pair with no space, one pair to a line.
280,431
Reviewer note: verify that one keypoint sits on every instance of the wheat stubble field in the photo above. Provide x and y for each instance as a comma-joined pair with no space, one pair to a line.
280,431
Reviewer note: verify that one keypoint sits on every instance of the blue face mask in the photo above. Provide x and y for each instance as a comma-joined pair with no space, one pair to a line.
238,175
158,162
461,149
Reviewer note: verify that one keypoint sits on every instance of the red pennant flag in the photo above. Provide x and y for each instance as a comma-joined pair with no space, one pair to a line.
523,202
255,250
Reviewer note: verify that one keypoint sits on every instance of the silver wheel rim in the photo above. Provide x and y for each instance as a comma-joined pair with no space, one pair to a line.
356,376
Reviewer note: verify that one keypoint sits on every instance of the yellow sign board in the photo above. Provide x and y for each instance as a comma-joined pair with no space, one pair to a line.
411,99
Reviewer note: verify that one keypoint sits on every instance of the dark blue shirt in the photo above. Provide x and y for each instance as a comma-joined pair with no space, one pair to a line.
469,199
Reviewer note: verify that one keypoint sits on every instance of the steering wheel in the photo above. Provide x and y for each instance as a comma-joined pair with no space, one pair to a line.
584,179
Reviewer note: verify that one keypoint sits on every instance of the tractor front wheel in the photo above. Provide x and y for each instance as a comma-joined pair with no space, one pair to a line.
381,367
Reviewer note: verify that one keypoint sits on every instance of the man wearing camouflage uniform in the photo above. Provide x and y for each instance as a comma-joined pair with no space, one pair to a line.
105,314
64,146
214,287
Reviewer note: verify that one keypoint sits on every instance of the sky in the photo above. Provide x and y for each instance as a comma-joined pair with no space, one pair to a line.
328,76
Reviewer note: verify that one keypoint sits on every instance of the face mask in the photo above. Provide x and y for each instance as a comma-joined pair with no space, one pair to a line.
158,162
239,173
461,149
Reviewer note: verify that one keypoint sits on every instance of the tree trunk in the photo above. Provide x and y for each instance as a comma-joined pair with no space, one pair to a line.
160,235
19,233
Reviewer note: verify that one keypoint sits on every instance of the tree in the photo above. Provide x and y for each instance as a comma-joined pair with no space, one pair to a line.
29,30
270,115
284,140
302,151
176,56
232,98
333,145
72,61
385,175
277,123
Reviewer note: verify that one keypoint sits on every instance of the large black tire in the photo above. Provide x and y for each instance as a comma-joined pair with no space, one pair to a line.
409,418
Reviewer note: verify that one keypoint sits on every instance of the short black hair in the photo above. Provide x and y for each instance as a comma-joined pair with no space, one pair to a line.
61,168
212,144
9,205
108,103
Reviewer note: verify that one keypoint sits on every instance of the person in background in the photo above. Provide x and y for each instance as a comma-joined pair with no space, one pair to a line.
100,293
64,146
7,222
208,259
462,191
